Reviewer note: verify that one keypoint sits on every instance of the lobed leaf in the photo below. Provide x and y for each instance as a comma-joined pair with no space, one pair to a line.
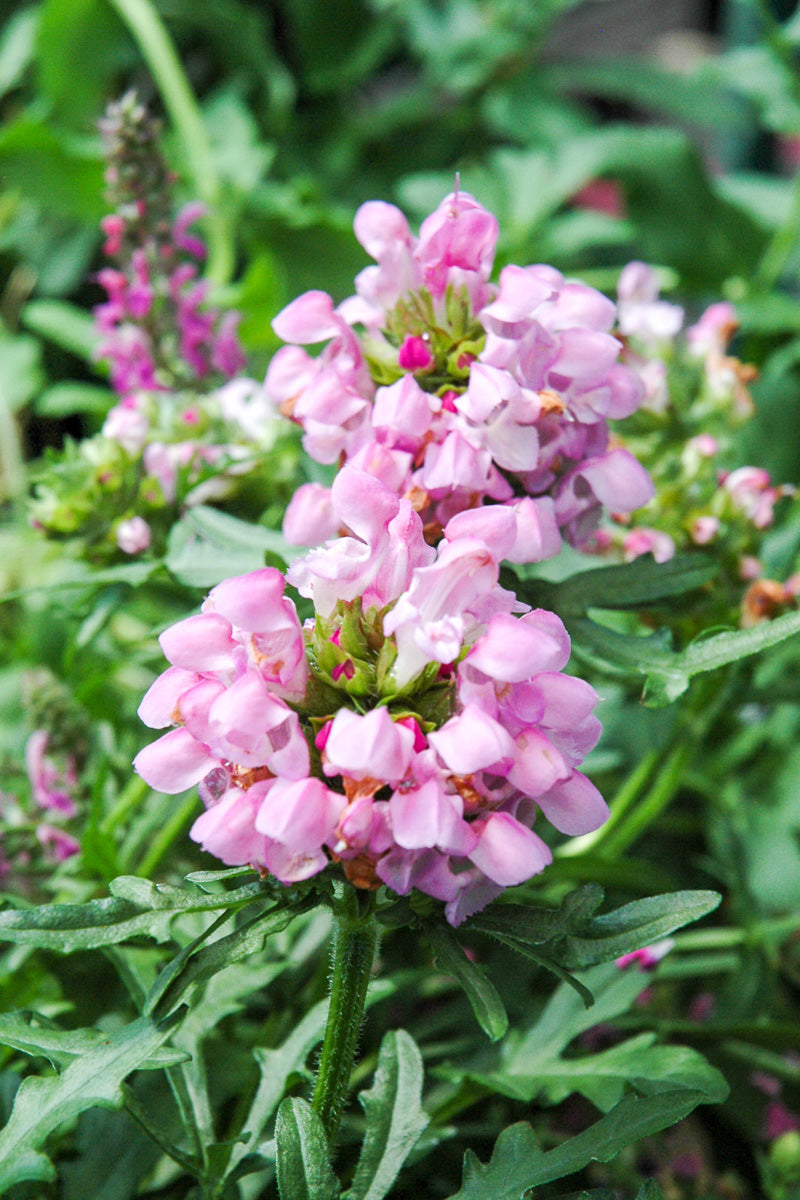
94,1078
136,908
519,1164
303,1165
395,1118
480,991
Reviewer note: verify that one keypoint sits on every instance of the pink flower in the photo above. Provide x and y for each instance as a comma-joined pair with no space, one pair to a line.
475,393
648,957
53,779
407,735
133,535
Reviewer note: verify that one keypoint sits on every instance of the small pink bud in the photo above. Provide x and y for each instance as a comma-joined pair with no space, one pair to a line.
415,355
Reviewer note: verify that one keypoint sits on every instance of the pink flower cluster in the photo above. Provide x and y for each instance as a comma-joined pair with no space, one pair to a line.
410,732
456,392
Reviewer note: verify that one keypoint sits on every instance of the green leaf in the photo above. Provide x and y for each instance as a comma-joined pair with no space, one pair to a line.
136,908
51,169
303,1166
17,47
275,1066
193,965
480,991
36,1035
207,546
63,324
42,1105
69,399
635,925
638,584
21,373
86,32
394,1115
518,1163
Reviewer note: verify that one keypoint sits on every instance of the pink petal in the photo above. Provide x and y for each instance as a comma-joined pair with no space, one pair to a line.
174,763
199,643
574,806
473,741
507,851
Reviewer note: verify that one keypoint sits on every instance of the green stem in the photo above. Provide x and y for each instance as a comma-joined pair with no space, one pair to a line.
165,66
655,800
355,939
627,797
166,836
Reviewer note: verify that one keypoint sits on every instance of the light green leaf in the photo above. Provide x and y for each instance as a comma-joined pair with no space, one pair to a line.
63,324
395,1118
207,546
483,996
17,47
68,399
21,372
303,1166
42,1105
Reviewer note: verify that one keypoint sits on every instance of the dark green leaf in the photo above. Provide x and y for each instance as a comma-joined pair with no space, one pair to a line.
395,1118
637,584
36,1035
481,993
194,965
94,1078
303,1165
518,1163
635,925
137,908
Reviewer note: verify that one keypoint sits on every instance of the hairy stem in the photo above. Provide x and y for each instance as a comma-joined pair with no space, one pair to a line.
355,939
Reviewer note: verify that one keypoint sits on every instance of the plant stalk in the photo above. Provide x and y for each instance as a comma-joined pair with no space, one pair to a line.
355,940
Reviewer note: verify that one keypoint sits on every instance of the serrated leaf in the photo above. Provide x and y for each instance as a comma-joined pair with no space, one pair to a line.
394,1115
635,925
35,1035
138,908
519,1164
303,1165
42,1105
605,1077
480,991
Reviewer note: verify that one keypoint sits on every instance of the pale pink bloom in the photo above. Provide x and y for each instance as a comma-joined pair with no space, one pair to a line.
133,535
369,746
309,517
704,530
642,540
53,782
713,331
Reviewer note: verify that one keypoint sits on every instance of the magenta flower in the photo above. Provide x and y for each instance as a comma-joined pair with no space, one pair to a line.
408,734
456,392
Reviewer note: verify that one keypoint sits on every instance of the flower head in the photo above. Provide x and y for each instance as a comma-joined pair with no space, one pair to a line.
458,392
409,733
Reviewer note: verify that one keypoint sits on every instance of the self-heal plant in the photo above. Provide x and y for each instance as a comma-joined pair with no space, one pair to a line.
458,392
405,737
